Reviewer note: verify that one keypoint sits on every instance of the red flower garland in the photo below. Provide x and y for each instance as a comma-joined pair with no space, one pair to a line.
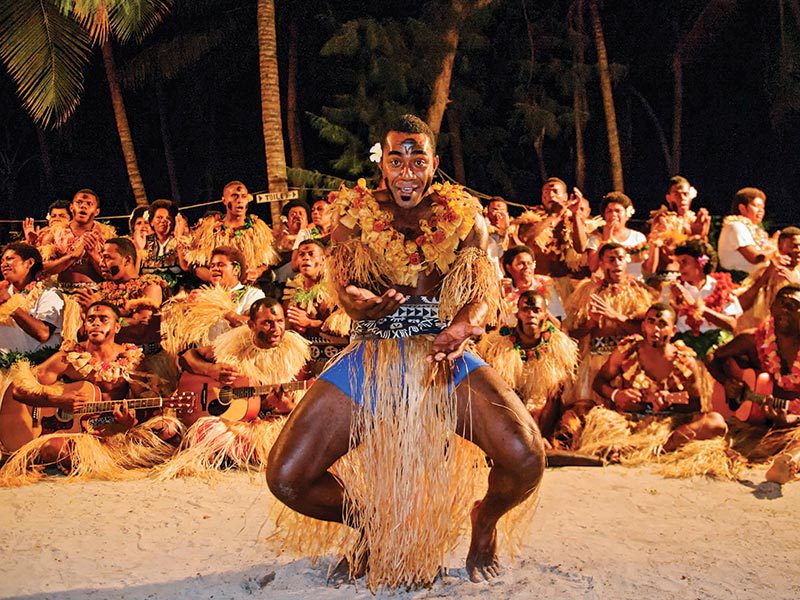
767,347
716,301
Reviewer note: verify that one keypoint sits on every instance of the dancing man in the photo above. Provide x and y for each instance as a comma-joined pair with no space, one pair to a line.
410,268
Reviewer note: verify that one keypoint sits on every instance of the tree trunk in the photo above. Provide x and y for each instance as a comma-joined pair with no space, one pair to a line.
456,147
538,147
166,141
292,113
662,138
47,164
271,104
677,112
124,130
579,100
608,100
440,95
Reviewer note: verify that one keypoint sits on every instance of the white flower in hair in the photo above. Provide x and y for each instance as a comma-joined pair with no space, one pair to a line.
630,211
376,152
692,193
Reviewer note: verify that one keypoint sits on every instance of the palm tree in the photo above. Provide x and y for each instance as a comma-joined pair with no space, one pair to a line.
45,45
614,153
271,104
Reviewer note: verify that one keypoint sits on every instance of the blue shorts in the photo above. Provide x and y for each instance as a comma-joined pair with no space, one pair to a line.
347,373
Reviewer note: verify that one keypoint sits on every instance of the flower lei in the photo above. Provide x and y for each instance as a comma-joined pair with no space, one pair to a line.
760,236
767,347
534,352
239,231
96,369
123,295
452,218
716,301
24,298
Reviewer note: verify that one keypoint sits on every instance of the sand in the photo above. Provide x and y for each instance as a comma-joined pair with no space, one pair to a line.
599,533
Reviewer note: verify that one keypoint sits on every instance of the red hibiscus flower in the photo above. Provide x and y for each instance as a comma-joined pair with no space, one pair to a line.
414,259
379,226
438,236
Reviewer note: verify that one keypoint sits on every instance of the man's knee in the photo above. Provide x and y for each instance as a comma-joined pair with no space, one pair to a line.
526,457
715,425
285,483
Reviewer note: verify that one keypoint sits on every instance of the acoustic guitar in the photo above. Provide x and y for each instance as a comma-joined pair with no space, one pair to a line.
21,423
757,392
239,402
672,398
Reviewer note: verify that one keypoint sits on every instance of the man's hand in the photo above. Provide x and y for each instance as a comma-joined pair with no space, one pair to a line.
599,308
30,231
372,307
181,226
575,199
681,296
78,249
72,402
279,401
299,319
627,400
225,374
733,388
703,221
125,416
779,416
86,297
142,316
450,343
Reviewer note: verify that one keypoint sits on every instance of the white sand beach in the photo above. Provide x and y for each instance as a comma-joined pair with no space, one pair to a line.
598,533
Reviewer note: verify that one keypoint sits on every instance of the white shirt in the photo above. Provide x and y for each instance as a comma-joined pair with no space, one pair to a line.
49,307
732,237
248,297
635,238
731,309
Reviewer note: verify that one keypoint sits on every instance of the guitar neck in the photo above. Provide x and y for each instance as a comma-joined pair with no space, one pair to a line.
762,399
261,390
110,405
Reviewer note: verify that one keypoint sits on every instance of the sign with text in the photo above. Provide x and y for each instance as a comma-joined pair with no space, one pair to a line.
263,197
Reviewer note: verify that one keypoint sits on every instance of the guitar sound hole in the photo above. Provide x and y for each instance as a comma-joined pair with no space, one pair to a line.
216,408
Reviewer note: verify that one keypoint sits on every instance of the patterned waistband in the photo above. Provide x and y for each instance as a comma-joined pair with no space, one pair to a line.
605,344
419,315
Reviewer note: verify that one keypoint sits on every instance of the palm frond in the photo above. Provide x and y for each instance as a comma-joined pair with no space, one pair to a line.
135,19
45,51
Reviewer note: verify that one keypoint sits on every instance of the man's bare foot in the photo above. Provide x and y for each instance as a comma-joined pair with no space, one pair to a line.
341,572
482,561
783,469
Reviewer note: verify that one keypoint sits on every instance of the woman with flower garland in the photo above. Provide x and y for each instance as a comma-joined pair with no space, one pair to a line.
31,312
520,265
617,209
744,246
410,268
704,299
164,250
772,348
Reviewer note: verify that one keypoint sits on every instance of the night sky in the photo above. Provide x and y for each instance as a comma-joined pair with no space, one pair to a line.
729,140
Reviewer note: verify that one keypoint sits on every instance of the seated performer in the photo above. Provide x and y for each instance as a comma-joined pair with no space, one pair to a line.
704,299
520,266
139,228
163,250
73,251
556,231
601,312
617,209
649,374
535,358
137,298
744,245
307,300
671,225
238,229
264,352
31,312
320,226
760,287
195,319
772,348
112,367
57,215
406,384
